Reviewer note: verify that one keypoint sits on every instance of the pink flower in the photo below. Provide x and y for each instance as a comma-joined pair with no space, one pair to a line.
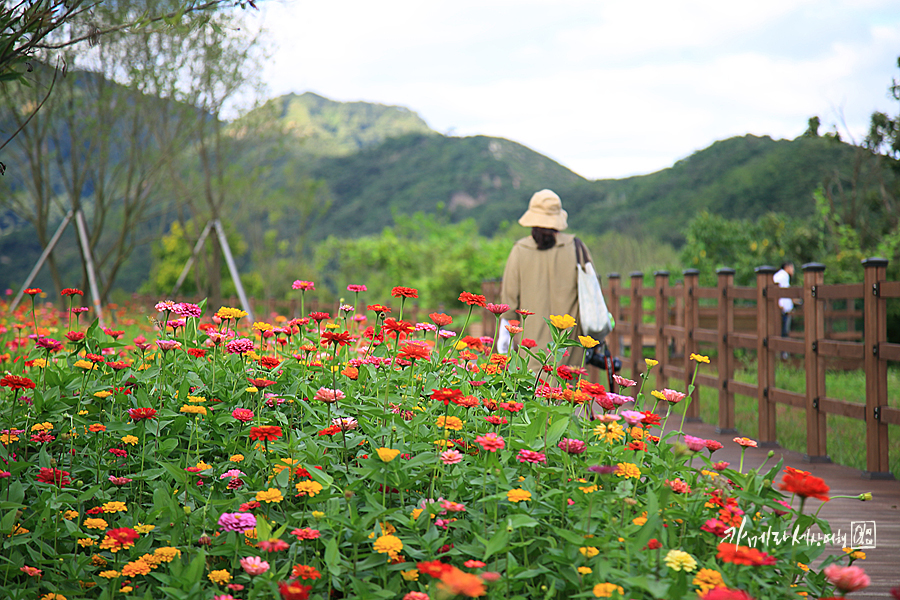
306,286
254,565
624,382
231,473
847,579
186,309
694,444
678,486
239,346
345,423
712,446
328,395
449,506
451,457
474,564
244,415
491,576
119,480
745,442
531,456
672,397
356,288
416,596
239,522
571,446
715,527
497,309
632,417
275,545
490,442
166,345
721,465
164,306
781,513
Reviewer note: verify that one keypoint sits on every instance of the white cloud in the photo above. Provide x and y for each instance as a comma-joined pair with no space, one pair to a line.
607,88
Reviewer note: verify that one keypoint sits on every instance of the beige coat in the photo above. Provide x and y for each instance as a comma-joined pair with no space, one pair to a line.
544,282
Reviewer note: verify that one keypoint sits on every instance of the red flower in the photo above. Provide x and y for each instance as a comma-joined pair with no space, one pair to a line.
319,316
594,389
804,485
268,433
293,590
329,430
650,418
529,343
139,414
244,415
636,445
123,535
472,299
398,326
196,352
118,452
338,339
435,568
248,506
378,308
494,420
524,313
446,395
724,593
564,372
17,382
260,383
34,291
512,407
404,292
415,350
71,292
440,319
95,358
269,362
743,555
118,365
75,336
275,545
54,476
653,544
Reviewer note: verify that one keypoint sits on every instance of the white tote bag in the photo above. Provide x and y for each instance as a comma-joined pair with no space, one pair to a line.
595,318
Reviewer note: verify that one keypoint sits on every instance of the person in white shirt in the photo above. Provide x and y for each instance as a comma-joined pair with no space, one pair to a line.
783,278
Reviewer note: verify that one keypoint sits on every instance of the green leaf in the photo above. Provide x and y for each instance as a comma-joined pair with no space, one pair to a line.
332,557
498,542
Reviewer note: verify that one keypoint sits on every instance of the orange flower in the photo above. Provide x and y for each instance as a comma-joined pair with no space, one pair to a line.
743,555
268,433
441,319
455,582
404,292
96,427
472,299
804,485
414,350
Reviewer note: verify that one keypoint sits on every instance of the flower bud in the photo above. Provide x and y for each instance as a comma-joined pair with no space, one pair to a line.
770,454
187,510
630,501
204,540
866,496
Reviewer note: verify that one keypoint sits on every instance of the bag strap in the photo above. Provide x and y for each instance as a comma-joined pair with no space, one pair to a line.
580,252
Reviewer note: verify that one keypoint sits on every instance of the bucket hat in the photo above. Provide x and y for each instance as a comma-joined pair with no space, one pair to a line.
545,210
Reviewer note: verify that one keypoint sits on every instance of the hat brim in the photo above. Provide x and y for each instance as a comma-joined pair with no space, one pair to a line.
533,218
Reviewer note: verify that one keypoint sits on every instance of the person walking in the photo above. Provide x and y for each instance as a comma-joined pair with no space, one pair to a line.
783,278
540,274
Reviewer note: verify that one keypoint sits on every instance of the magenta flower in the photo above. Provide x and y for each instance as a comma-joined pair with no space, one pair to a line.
166,345
244,415
239,346
165,306
49,344
119,480
571,446
356,288
531,457
231,473
186,309
239,522
694,444
632,417
497,309
306,286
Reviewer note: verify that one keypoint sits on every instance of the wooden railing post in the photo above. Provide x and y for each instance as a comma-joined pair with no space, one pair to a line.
661,279
767,324
614,304
813,332
691,322
637,317
726,354
875,334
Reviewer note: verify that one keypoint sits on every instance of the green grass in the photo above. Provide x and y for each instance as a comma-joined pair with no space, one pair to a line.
845,436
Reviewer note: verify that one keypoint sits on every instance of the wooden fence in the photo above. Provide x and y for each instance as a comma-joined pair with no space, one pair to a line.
681,320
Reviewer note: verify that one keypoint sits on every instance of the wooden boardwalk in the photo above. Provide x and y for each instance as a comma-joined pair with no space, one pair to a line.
882,563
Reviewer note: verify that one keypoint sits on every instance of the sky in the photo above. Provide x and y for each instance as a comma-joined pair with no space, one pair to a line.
609,89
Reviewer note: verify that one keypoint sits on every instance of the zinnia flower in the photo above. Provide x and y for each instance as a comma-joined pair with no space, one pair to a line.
678,560
490,442
268,433
388,544
571,446
804,485
387,454
139,414
847,579
254,565
239,522
472,299
531,457
404,292
745,442
291,590
328,395
562,321
451,457
17,382
518,495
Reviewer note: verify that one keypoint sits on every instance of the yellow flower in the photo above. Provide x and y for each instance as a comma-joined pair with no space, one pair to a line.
260,326
707,579
6,438
53,596
194,410
114,507
589,551
318,514
102,394
144,529
108,574
678,560
388,544
42,426
203,466
650,362
627,470
857,554
196,399
166,553
657,394
518,495
637,433
587,341
70,514
95,524
309,488
639,521
415,513
126,588
251,389
236,458
585,570
81,413
230,313
269,495
606,590
611,432
443,443
460,345
86,542
562,321
700,358
588,489
802,566
39,363
220,576
452,423
152,560
411,575
710,473
387,454
130,440
85,364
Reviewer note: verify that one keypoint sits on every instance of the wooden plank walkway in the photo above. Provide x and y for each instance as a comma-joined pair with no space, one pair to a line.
882,563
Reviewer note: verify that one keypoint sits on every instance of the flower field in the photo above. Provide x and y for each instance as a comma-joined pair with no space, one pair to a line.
358,455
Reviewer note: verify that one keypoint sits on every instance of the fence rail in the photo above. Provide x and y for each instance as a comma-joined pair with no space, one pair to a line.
683,318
